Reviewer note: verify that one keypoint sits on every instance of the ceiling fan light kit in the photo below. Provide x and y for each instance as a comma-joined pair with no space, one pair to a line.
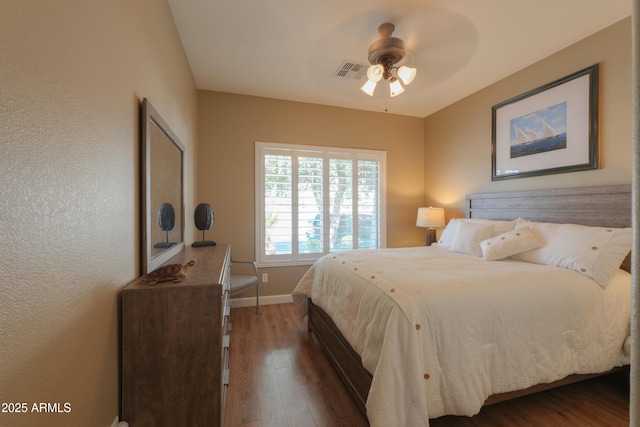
384,54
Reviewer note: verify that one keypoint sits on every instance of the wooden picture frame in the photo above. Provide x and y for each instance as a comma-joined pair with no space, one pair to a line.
162,190
548,130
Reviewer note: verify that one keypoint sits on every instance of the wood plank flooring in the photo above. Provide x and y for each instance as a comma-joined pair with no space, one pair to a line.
280,377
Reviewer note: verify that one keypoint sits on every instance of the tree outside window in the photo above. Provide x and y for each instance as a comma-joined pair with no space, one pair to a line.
316,200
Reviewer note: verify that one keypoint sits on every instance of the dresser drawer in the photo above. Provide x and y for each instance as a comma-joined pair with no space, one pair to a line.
226,308
163,320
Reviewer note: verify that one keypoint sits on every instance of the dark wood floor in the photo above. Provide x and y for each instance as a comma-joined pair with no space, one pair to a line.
280,377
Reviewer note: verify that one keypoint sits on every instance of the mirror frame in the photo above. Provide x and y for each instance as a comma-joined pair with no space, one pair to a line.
150,118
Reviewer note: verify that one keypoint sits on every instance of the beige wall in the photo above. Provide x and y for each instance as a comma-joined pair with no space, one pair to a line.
228,127
458,138
72,75
457,146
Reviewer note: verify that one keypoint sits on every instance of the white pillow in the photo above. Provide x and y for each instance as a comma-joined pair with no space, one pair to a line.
447,234
468,237
450,230
593,251
510,243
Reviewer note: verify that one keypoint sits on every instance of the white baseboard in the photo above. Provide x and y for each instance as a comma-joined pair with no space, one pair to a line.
266,300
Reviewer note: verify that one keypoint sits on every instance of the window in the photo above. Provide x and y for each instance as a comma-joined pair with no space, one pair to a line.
314,200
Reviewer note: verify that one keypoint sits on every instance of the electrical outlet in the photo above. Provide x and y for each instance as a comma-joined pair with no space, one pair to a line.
265,277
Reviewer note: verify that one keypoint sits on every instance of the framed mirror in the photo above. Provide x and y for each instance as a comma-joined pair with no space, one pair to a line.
163,192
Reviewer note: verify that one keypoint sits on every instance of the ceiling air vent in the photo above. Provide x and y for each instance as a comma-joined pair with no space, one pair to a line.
351,70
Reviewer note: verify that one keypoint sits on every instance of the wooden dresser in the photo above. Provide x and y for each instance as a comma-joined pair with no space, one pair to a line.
175,344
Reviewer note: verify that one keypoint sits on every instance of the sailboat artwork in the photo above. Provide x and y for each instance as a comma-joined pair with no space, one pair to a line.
539,132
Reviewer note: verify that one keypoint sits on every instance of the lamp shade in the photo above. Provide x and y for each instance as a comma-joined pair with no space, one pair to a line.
375,73
407,74
369,87
395,88
430,217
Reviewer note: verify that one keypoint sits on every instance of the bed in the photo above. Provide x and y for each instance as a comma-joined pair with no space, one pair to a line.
471,334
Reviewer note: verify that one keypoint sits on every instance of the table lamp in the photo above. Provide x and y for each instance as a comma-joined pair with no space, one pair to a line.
431,218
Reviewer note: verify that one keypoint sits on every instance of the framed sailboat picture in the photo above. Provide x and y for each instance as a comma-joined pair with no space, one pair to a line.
551,129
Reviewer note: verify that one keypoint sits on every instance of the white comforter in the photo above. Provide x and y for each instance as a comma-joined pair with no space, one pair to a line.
442,331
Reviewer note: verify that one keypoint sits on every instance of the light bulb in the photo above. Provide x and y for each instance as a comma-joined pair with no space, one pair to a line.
407,74
374,73
369,87
395,88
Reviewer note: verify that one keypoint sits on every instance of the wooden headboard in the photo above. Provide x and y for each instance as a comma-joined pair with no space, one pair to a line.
605,206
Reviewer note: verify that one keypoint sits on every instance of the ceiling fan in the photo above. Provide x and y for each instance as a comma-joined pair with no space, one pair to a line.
384,55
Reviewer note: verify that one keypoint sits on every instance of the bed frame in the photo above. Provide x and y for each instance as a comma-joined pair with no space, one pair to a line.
607,206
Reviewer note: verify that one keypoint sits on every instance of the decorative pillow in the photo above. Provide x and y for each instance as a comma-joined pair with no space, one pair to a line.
499,227
468,237
450,230
447,234
510,243
593,251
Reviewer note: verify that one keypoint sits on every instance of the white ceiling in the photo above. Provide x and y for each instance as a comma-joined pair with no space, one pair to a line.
291,49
